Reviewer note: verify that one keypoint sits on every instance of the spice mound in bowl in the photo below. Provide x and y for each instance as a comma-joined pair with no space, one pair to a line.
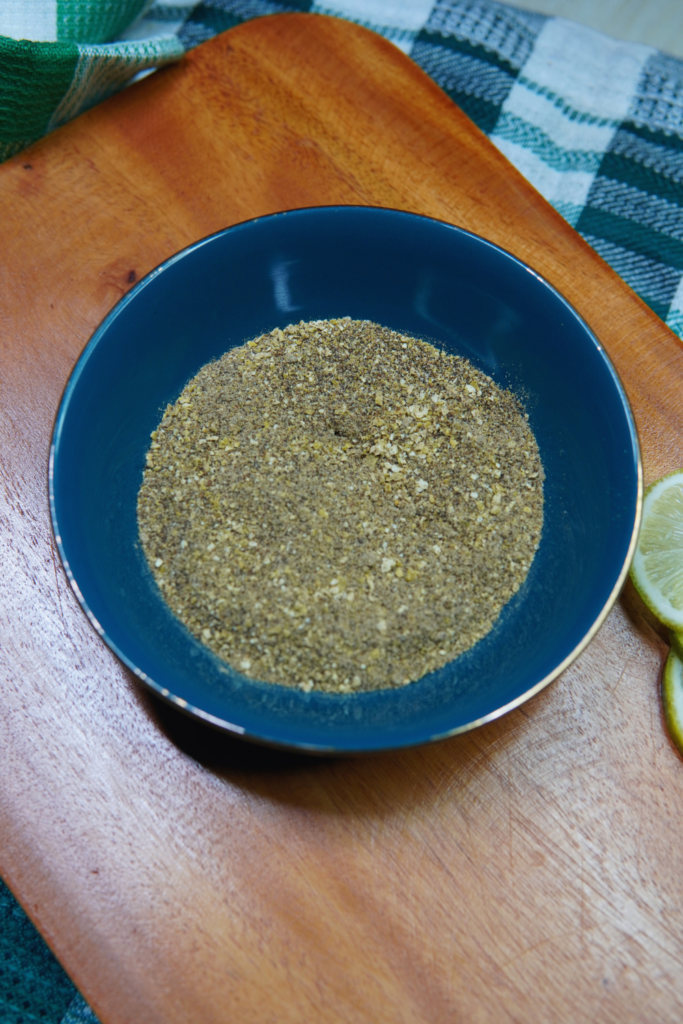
340,507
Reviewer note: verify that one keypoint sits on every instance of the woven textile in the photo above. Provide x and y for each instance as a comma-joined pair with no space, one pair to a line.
33,987
595,125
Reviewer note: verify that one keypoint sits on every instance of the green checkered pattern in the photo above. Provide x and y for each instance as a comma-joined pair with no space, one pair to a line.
594,124
55,63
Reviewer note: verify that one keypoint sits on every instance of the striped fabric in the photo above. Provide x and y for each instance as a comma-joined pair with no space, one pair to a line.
594,124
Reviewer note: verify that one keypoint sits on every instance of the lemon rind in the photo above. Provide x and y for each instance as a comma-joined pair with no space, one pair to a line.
672,698
660,606
677,643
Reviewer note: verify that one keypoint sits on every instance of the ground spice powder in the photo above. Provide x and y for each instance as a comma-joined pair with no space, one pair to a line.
340,507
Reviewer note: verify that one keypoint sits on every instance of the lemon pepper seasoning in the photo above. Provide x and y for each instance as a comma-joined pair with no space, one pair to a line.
339,506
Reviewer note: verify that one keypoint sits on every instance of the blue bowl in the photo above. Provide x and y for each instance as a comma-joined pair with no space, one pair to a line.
414,275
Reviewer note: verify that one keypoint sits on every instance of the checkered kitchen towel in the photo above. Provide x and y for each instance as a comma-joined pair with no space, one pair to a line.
594,124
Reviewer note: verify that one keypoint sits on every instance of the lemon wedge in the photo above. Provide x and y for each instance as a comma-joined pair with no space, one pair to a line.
657,569
672,698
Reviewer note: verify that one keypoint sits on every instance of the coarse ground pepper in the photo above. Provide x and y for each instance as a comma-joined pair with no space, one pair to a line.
340,507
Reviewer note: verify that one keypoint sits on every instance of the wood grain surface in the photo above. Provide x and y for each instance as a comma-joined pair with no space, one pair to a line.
531,871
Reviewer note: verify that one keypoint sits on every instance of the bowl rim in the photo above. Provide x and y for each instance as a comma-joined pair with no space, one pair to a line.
222,724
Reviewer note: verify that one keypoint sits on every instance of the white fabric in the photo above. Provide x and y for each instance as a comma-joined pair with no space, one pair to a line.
35,19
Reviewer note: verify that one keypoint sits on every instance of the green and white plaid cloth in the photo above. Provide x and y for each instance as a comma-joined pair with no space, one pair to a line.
594,124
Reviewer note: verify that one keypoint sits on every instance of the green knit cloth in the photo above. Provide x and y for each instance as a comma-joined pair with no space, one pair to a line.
56,59
596,125
33,987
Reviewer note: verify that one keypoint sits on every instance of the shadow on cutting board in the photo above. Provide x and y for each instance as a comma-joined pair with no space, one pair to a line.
363,785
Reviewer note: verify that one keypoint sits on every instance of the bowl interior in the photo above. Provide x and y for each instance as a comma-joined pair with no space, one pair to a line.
408,273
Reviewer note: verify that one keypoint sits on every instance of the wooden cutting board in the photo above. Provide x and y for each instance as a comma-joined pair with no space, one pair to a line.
530,871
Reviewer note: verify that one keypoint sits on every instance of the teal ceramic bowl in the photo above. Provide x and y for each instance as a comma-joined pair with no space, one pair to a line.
414,275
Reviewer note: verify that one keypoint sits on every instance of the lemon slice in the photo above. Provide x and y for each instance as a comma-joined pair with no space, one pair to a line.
672,698
657,570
